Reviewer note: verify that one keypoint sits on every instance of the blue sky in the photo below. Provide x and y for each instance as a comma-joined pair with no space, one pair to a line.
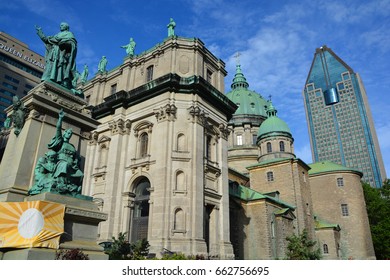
276,39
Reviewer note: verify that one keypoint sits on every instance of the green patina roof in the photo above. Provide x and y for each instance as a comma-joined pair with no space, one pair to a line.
248,194
248,102
273,124
268,161
321,224
328,166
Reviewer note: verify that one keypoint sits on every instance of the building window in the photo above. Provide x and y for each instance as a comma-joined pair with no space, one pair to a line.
7,93
181,142
239,140
179,221
325,249
103,156
270,176
254,139
208,147
281,146
7,85
209,75
344,210
143,145
180,181
9,78
149,73
113,88
340,182
269,147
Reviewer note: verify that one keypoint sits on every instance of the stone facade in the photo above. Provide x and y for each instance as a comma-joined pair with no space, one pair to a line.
172,159
290,180
338,197
170,135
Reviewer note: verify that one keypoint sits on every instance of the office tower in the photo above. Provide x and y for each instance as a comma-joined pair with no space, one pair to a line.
340,123
20,70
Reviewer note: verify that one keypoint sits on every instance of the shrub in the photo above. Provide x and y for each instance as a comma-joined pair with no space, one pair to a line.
72,254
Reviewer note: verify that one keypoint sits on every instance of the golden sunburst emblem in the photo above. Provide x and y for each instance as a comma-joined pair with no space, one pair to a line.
31,224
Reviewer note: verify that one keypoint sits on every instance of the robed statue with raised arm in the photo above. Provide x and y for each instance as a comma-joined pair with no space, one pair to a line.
60,56
59,171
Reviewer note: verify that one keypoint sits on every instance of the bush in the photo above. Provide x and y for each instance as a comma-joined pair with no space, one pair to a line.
72,254
122,249
176,256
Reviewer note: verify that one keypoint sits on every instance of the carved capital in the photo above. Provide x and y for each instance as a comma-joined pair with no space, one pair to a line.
94,137
224,131
167,112
119,126
198,115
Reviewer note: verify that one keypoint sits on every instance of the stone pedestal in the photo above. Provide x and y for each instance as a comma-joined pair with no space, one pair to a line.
22,152
82,216
81,221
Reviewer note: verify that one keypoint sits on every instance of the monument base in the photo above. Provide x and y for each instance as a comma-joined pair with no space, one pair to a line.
81,221
44,254
22,151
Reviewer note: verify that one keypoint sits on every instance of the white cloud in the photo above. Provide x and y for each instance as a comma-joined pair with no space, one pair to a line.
304,153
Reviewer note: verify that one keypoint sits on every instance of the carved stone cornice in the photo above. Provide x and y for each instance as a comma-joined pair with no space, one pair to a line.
143,163
62,97
87,214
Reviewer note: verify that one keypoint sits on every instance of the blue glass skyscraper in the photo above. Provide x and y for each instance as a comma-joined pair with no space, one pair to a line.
339,120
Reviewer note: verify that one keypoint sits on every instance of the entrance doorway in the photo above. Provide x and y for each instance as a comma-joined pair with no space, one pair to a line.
141,210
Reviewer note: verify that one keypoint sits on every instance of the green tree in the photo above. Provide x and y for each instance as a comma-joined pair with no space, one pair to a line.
378,211
122,249
300,247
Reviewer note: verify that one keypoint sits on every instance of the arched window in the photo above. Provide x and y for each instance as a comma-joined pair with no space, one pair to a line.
103,155
179,220
180,181
269,147
149,73
281,146
325,249
141,210
270,176
143,145
181,142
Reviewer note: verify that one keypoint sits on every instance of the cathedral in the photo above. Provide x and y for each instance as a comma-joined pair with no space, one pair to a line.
177,161
169,155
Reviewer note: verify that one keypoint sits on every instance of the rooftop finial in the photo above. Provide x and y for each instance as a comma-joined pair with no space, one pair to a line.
270,109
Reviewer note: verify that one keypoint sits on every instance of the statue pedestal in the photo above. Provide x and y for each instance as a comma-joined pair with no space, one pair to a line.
81,221
22,152
82,216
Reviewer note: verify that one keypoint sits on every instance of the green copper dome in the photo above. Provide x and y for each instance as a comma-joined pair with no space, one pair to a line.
248,102
273,124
